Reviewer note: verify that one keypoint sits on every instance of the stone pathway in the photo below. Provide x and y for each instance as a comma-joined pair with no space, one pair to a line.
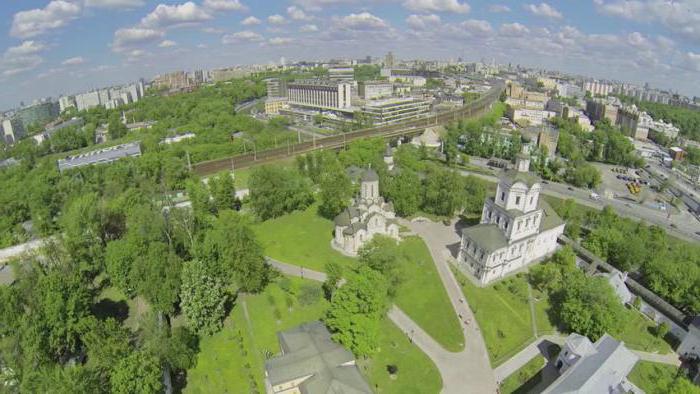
668,358
473,369
539,347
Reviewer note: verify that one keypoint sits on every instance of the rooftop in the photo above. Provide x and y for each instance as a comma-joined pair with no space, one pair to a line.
487,236
309,351
527,178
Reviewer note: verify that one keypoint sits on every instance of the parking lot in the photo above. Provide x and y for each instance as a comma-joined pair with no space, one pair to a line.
633,185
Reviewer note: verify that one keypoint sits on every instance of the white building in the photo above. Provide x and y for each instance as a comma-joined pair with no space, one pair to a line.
600,367
516,229
85,101
367,216
395,110
529,117
341,74
178,138
371,90
597,88
65,102
667,129
320,94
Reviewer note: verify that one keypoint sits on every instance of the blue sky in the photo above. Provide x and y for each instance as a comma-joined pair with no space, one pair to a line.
50,47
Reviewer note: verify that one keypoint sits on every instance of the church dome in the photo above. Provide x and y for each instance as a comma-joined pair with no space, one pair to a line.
370,176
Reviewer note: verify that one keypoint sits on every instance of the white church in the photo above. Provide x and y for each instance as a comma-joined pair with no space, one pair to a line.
516,228
368,215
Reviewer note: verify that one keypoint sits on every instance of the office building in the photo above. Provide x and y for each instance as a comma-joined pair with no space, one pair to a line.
321,94
276,87
226,74
102,156
634,122
198,77
341,74
40,113
395,110
371,90
528,117
65,102
13,130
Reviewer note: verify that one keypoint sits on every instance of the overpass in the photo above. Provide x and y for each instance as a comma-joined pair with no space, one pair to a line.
408,128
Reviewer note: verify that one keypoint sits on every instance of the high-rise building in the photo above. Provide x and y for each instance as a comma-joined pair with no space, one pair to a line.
389,60
13,130
174,80
87,100
320,94
395,110
198,77
598,109
65,102
38,113
597,88
276,87
341,73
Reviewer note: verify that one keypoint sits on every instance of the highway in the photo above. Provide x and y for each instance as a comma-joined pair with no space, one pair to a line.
411,127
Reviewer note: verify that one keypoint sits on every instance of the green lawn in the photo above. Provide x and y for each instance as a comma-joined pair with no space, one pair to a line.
525,377
422,296
503,314
655,378
634,328
232,361
112,302
542,320
300,238
416,372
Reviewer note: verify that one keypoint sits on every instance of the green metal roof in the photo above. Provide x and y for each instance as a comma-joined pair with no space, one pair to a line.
487,236
370,176
550,219
309,351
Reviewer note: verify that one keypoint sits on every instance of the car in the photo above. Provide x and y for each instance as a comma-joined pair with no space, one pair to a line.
570,188
545,182
674,225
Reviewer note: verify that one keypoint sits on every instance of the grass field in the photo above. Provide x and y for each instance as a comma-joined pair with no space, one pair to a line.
232,361
416,372
112,302
634,330
301,238
655,378
525,377
503,314
423,297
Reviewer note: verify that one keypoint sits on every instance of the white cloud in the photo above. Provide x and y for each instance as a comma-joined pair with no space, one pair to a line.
477,27
499,8
297,14
276,19
37,21
21,58
212,30
124,38
241,36
317,5
437,6
361,21
544,10
680,16
249,21
308,28
167,44
224,5
73,61
25,48
692,61
175,15
513,29
129,4
280,41
422,22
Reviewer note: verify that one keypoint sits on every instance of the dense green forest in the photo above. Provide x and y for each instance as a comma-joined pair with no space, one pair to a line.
668,266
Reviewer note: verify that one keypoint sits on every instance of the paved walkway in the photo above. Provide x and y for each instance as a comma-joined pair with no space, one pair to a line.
668,358
457,370
539,347
472,367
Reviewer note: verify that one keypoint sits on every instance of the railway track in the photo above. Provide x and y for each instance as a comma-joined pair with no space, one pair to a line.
412,127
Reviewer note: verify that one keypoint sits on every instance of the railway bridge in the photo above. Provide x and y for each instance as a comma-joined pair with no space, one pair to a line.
409,128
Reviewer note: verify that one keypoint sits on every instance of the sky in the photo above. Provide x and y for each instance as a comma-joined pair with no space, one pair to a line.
54,47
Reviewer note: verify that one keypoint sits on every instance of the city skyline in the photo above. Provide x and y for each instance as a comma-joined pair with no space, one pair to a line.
67,46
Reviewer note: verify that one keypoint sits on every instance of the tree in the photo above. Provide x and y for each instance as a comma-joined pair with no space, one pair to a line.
115,127
662,329
382,254
137,373
119,258
202,298
223,191
355,310
444,192
334,274
82,229
107,342
157,277
275,191
335,190
404,191
233,250
588,306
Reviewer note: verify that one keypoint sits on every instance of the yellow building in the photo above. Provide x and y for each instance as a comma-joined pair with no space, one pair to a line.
274,105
